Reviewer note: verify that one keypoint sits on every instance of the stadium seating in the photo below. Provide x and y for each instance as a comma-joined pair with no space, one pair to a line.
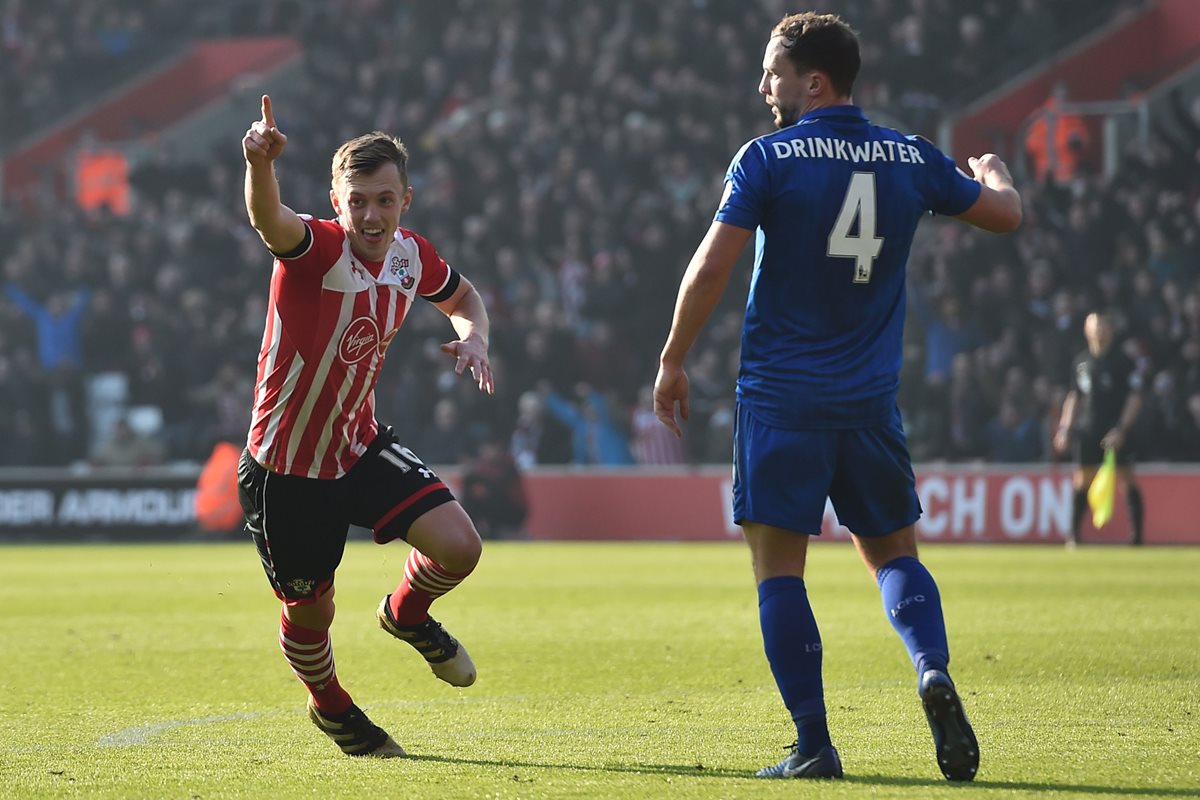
568,160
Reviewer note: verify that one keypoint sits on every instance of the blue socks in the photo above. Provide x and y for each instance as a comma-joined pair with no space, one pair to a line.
914,607
793,642
793,646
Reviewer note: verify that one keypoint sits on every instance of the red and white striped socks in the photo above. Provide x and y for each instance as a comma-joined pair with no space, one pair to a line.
310,655
425,580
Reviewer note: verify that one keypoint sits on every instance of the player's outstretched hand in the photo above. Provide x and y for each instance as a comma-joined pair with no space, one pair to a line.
671,387
264,142
471,354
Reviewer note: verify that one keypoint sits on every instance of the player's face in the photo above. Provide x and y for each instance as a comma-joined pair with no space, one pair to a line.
784,89
369,207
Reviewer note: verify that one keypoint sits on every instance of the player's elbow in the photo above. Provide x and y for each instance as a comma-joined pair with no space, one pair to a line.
1010,219
997,213
1012,210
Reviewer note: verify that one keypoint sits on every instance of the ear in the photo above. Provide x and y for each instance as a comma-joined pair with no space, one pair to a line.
333,200
406,201
816,83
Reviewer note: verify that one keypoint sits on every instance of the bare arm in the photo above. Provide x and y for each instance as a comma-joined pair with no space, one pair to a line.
703,284
1062,436
279,227
469,318
998,207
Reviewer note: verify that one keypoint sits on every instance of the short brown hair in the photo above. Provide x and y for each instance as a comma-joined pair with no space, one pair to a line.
364,154
822,42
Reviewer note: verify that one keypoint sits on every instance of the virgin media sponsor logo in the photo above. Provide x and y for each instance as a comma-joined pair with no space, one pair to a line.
360,339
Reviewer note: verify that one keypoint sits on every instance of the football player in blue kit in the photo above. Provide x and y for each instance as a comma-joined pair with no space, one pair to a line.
832,202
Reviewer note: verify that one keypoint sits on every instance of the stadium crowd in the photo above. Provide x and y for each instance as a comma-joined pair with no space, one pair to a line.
566,158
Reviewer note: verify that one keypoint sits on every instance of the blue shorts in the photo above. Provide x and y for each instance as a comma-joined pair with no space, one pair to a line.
781,477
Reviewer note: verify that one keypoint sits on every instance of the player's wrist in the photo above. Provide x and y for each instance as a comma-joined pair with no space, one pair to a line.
671,356
671,362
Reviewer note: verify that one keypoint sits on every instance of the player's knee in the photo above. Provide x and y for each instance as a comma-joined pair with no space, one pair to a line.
447,535
316,616
461,548
878,551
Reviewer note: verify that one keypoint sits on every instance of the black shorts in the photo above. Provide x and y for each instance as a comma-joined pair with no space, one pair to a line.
300,524
1089,453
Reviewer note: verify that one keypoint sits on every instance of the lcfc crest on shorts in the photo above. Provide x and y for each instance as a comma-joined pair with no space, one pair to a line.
302,586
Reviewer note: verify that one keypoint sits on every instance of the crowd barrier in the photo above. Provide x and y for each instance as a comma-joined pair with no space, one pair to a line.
962,504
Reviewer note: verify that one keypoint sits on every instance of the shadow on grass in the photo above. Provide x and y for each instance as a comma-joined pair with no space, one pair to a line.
700,771
1038,789
693,770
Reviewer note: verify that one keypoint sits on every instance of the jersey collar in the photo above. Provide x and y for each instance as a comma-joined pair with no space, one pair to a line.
848,111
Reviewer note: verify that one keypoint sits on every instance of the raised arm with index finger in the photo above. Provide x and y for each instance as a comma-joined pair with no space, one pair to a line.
280,228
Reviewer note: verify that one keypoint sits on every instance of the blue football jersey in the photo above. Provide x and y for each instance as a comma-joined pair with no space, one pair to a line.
835,202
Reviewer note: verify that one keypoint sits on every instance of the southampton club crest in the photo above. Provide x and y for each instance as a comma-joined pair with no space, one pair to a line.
399,269
302,586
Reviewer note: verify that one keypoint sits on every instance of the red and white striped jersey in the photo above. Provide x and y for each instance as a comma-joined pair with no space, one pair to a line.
330,318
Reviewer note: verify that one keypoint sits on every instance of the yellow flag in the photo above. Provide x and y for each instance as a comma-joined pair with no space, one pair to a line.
1103,490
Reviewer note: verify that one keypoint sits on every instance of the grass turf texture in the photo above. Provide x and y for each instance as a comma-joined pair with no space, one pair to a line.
606,670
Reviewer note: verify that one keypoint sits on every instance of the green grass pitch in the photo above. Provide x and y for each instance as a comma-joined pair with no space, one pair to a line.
606,670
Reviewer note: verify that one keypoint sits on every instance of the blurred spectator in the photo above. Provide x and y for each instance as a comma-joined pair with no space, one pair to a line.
446,441
1012,436
718,439
1058,142
218,508
947,336
595,438
493,494
1189,437
128,448
58,325
537,437
652,444
967,411
20,423
220,409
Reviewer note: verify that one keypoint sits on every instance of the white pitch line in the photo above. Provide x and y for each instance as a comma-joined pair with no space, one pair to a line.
140,735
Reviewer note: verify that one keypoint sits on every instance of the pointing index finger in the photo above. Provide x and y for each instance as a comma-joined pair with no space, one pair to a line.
268,117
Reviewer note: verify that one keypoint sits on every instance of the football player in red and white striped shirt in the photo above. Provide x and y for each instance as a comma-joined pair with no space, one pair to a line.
316,460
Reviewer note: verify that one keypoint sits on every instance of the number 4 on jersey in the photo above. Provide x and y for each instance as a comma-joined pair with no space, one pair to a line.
863,248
